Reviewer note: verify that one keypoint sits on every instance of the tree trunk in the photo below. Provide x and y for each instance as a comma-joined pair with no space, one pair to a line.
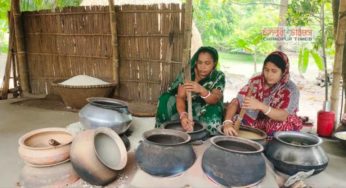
21,55
324,51
339,49
282,23
335,8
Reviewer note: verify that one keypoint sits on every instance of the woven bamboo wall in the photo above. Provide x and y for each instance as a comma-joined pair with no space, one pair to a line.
74,41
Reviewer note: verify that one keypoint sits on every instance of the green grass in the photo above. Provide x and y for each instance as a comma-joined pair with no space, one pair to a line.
238,58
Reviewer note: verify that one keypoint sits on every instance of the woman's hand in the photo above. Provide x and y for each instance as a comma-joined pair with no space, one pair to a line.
187,124
252,103
193,87
229,130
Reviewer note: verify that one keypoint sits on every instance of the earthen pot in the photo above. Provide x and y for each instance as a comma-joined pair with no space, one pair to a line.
165,152
291,152
250,133
234,161
60,175
97,154
199,130
45,147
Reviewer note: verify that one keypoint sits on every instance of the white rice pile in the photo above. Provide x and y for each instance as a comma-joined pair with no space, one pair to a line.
83,80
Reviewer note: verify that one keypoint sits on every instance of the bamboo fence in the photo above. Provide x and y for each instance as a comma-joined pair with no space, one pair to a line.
78,40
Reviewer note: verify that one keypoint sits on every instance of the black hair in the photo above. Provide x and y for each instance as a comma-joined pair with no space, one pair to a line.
277,60
210,50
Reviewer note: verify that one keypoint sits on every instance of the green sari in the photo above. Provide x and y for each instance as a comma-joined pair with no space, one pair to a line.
210,115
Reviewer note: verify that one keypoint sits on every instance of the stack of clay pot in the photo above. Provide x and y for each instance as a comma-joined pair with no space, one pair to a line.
46,153
97,155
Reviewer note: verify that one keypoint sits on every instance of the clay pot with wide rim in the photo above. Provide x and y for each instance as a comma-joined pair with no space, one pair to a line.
341,136
199,130
45,147
291,152
60,175
165,152
106,112
250,133
234,161
97,154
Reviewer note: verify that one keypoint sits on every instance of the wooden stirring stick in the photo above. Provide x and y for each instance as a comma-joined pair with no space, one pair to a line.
187,50
242,112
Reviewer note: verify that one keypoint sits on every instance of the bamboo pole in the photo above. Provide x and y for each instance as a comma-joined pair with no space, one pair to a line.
187,51
339,48
21,56
115,55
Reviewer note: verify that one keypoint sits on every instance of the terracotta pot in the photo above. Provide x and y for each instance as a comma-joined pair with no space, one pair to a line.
165,152
60,175
291,152
96,154
44,147
199,131
234,161
250,133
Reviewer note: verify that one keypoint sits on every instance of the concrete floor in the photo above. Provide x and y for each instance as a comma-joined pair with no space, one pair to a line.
16,120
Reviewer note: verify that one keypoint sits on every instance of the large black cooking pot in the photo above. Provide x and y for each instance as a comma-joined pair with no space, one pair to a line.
234,161
291,152
165,152
199,132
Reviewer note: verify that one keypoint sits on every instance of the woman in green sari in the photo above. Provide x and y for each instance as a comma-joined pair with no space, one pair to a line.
206,87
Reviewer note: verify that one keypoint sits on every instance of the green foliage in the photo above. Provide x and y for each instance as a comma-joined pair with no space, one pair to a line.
34,5
214,19
301,12
4,8
318,59
27,5
303,59
307,13
233,26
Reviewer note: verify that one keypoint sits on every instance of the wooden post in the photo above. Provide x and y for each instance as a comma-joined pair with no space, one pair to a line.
113,25
20,44
6,80
187,51
339,48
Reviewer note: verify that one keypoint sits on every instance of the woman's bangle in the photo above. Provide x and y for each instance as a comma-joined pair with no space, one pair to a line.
227,121
182,115
206,95
268,111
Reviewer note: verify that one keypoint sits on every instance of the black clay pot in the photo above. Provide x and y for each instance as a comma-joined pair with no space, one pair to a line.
199,131
291,152
233,161
251,133
165,152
